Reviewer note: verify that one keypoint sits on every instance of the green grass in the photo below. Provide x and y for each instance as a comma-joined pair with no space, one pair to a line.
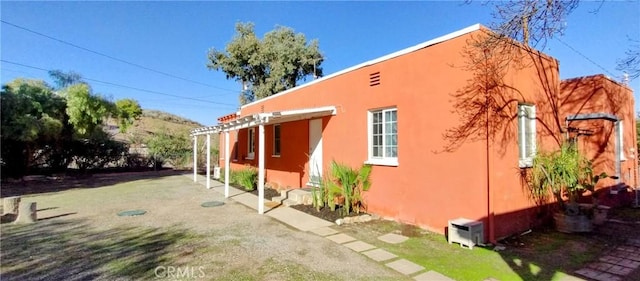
543,256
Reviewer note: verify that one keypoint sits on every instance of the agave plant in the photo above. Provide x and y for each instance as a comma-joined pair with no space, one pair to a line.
564,172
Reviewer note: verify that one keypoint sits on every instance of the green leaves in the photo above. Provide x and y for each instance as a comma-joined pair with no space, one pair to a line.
127,110
268,66
85,109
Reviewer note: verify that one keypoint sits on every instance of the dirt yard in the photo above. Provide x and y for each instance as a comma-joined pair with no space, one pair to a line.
80,237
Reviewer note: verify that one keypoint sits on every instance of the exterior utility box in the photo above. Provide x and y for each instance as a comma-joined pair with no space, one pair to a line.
466,232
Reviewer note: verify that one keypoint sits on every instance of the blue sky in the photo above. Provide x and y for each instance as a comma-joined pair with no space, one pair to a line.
174,37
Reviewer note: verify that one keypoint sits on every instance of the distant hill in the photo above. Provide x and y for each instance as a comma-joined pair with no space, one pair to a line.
152,122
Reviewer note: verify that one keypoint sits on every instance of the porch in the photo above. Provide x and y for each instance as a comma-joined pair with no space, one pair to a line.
261,120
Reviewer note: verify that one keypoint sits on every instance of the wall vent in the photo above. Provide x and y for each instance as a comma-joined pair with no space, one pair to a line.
374,79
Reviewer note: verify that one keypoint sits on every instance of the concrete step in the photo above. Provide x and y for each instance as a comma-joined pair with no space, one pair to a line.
299,194
289,202
278,199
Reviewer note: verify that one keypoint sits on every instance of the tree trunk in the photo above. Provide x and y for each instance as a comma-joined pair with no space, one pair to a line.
28,213
10,205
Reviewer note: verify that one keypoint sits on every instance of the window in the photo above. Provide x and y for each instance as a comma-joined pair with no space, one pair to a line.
620,137
526,134
251,143
235,147
383,137
276,140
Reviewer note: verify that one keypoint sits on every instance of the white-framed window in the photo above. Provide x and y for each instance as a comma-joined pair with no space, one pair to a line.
620,137
526,134
251,143
235,147
276,140
383,137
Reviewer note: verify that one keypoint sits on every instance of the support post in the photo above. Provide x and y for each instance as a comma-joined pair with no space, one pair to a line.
261,169
195,158
208,161
227,156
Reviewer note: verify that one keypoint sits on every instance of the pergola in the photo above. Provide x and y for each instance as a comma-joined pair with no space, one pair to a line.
617,127
256,120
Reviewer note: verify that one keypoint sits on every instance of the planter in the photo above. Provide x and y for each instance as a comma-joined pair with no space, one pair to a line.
600,215
572,224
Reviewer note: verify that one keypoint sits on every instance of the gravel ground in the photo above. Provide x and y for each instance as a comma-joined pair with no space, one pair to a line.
80,237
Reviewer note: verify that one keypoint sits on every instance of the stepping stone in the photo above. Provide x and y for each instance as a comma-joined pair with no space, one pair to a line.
393,238
588,272
405,267
379,255
629,263
341,238
432,276
324,231
620,270
359,246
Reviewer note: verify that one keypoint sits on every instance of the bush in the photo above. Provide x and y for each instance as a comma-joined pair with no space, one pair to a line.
343,186
247,177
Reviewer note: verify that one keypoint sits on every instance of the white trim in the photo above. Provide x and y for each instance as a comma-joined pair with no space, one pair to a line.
526,118
267,118
384,159
393,162
195,158
620,137
405,51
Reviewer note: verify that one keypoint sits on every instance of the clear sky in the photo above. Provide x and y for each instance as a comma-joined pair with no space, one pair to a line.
174,37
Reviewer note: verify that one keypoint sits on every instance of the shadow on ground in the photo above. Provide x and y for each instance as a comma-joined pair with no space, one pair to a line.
71,250
45,185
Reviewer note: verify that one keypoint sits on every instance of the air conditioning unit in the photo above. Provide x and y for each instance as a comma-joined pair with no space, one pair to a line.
466,232
216,173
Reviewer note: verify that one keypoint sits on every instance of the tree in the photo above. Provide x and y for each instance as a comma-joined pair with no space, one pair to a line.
534,22
86,111
63,79
33,124
127,110
165,146
268,66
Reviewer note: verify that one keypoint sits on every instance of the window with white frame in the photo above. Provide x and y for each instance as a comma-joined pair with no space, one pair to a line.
620,137
251,143
383,137
276,140
526,134
235,147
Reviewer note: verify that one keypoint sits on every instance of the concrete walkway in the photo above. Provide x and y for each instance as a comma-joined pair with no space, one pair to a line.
615,265
317,226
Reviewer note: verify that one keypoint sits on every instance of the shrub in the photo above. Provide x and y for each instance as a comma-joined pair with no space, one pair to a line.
247,177
344,183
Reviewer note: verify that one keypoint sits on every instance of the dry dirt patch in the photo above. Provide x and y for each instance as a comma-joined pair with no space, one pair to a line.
81,237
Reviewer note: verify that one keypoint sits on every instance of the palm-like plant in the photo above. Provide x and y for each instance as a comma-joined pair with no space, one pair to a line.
348,184
564,172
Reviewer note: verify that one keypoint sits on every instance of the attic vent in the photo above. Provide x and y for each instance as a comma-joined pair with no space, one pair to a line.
374,79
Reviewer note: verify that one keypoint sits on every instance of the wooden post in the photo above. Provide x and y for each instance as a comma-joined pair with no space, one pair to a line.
28,213
10,205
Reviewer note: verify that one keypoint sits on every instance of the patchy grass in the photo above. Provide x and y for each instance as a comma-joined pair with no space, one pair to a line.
536,256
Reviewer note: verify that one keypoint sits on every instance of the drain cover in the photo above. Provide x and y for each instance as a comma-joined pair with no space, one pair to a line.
212,204
132,213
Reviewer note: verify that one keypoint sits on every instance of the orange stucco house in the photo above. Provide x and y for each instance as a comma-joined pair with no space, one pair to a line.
449,127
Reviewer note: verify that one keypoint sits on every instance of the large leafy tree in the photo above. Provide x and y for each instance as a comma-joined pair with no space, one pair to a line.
86,111
269,65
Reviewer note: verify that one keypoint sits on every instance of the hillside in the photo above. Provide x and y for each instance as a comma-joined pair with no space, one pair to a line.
154,121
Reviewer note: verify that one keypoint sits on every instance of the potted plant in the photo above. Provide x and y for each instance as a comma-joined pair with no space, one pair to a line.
566,174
